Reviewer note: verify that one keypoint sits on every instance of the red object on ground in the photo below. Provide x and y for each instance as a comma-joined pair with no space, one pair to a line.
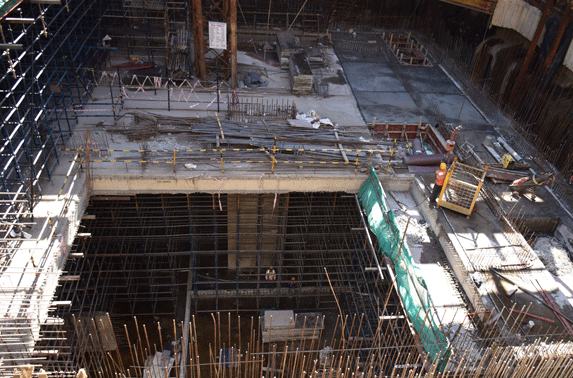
532,316
129,66
434,159
551,303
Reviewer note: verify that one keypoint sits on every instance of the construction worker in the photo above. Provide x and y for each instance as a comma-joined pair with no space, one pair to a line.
292,283
271,274
451,144
440,176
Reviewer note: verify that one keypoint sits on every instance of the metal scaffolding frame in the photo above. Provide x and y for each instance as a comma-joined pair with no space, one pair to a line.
154,255
43,82
135,248
47,49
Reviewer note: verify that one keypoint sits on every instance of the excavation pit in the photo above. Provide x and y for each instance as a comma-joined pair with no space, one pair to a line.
154,256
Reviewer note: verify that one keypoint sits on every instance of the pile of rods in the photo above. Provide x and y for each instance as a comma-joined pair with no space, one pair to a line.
256,140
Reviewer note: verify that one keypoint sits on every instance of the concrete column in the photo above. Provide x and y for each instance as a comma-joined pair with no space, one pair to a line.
252,226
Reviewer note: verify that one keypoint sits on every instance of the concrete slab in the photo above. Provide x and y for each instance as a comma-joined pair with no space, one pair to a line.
278,319
429,80
393,109
372,77
453,107
390,92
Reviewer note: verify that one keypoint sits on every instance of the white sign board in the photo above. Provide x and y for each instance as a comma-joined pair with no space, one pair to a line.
217,35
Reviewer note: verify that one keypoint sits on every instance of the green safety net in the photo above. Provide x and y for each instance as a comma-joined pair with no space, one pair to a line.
411,286
6,6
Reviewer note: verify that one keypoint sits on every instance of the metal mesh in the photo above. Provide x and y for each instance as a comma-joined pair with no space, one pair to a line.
461,188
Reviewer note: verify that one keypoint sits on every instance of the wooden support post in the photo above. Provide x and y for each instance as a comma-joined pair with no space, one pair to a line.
200,68
531,50
346,161
233,27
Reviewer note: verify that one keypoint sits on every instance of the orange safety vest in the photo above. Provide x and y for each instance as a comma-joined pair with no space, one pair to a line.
440,176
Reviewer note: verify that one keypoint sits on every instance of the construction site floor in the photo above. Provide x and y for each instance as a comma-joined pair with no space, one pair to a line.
391,92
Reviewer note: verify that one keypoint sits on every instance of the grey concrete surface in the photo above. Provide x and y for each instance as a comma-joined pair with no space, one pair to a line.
393,93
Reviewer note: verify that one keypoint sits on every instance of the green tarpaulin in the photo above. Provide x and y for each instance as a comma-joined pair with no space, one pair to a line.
6,6
411,285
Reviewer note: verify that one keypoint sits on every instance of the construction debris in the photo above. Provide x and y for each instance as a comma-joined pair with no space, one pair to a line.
553,255
285,325
287,45
300,74
254,81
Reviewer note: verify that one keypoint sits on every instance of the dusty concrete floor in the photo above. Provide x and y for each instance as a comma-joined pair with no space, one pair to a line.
394,93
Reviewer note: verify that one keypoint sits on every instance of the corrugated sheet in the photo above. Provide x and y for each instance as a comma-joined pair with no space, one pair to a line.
568,61
523,18
486,6
517,15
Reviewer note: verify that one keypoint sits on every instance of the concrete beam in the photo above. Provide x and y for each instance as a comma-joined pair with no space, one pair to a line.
253,184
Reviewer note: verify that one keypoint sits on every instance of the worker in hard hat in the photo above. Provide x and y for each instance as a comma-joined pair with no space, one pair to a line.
440,177
292,283
271,274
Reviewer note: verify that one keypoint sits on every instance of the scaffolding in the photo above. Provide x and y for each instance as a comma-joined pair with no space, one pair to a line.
47,49
138,253
43,81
